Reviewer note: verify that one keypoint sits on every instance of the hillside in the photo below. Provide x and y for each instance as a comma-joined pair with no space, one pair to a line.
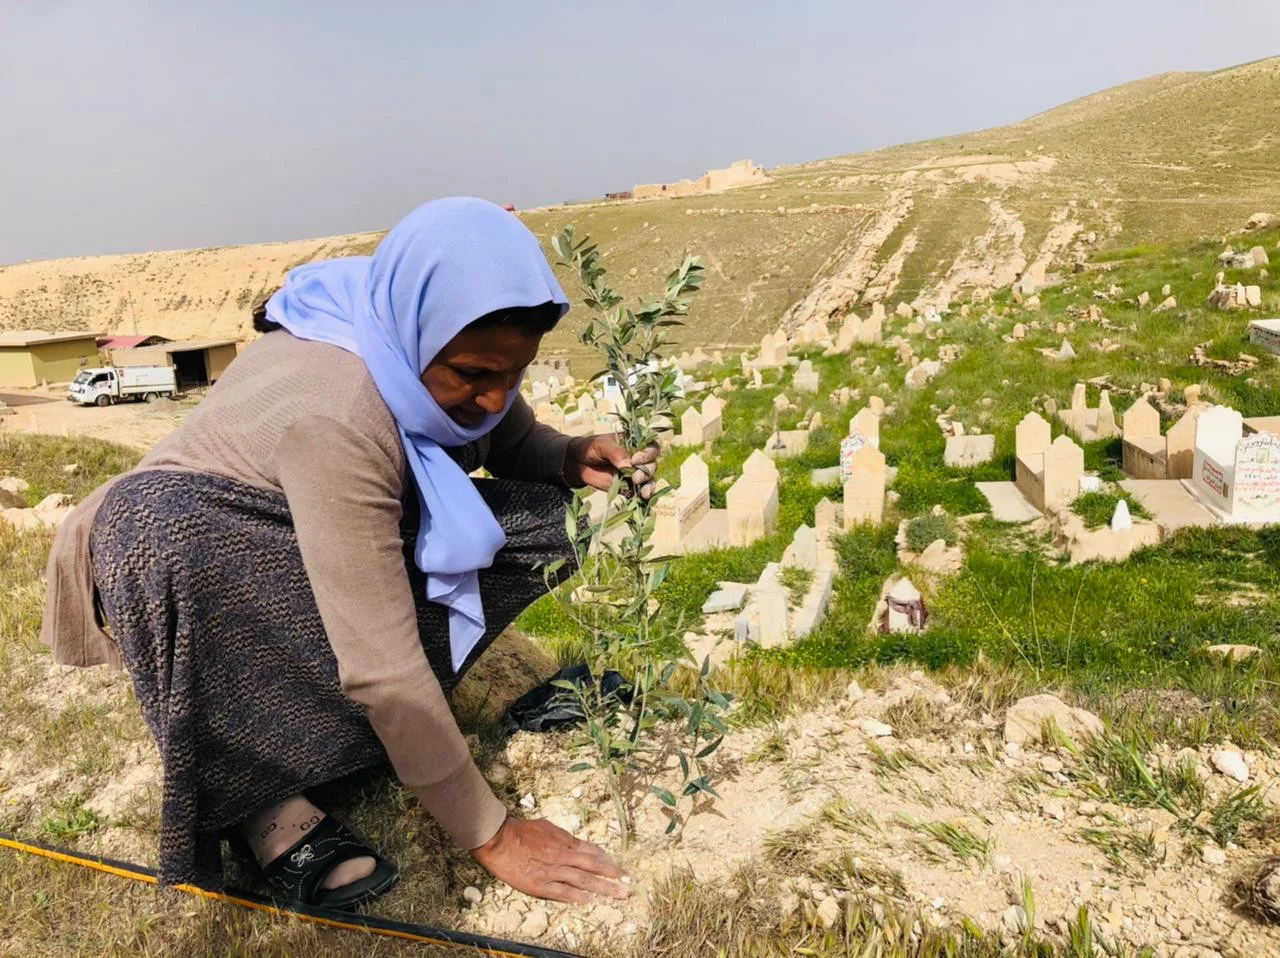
929,223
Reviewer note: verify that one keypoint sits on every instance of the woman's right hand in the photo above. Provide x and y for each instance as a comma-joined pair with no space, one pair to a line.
540,859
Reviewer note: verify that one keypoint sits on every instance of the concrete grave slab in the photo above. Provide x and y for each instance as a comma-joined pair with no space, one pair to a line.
729,598
1170,503
1265,333
1008,504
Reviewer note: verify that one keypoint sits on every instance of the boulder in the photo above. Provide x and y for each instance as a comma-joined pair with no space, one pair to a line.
50,504
11,493
1258,221
874,728
1024,722
1169,303
918,376
940,559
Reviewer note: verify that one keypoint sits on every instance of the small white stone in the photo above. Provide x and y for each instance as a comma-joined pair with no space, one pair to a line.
529,802
875,728
1231,764
570,823
534,924
939,903
472,895
853,692
828,912
1213,855
1014,918
1051,764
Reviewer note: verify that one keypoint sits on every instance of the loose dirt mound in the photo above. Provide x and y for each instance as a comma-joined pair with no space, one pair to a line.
940,819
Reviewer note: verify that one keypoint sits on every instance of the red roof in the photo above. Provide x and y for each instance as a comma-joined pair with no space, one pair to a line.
122,342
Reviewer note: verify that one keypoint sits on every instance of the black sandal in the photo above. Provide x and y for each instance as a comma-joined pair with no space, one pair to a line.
302,868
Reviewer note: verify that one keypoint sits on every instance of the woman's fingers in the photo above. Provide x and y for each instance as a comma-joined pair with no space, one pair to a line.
645,467
647,455
539,858
559,891
590,883
593,858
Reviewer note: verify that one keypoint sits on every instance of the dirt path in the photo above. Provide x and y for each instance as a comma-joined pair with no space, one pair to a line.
134,424
989,261
840,290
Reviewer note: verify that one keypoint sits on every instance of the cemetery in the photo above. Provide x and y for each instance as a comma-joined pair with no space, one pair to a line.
900,537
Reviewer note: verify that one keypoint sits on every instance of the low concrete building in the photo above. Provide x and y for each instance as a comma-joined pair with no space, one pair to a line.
110,343
197,363
33,357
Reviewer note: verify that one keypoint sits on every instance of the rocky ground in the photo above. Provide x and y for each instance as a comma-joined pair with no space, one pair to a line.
935,806
901,795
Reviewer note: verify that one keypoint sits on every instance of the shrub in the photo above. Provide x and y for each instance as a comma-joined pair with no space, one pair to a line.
922,530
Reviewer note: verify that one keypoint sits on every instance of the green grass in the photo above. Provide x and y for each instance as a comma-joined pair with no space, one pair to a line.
955,838
926,529
796,581
1097,508
1128,852
40,460
68,820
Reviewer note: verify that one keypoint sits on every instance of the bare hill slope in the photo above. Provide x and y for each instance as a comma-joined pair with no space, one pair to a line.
927,223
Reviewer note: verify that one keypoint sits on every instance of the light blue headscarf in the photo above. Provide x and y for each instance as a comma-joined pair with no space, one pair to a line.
442,267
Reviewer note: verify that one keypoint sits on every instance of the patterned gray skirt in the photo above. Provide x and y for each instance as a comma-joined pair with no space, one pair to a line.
203,586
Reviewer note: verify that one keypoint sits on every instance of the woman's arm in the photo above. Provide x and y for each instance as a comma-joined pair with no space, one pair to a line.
520,447
344,494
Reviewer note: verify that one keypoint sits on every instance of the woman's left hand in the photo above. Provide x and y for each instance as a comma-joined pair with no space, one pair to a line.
596,460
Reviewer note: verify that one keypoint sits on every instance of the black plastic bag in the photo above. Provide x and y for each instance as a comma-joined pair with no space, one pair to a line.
547,707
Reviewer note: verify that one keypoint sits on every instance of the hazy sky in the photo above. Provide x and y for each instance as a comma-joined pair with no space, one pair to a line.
129,125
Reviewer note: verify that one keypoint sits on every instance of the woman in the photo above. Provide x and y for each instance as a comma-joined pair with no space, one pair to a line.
298,574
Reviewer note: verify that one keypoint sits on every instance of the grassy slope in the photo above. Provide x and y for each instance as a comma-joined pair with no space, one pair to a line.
1142,154
1103,629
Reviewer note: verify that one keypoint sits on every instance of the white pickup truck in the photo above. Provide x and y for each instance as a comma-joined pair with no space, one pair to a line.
110,384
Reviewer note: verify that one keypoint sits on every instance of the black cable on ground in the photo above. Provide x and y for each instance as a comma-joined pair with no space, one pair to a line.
386,927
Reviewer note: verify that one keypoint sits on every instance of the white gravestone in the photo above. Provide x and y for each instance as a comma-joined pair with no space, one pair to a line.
806,378
1257,471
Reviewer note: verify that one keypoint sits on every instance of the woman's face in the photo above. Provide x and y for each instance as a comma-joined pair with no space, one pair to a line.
471,376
